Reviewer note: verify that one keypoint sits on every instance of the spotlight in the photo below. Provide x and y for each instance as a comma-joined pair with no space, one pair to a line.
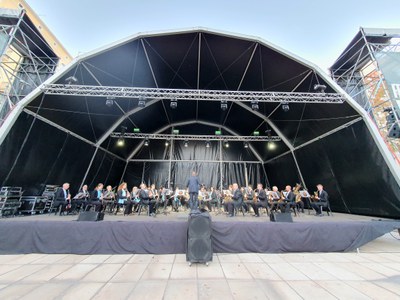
123,129
146,142
224,105
285,106
208,144
226,144
320,88
121,142
142,102
110,101
71,80
186,143
166,143
271,145
254,105
174,103
246,144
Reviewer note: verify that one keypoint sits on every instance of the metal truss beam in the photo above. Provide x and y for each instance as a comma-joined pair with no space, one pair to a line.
190,94
198,161
194,137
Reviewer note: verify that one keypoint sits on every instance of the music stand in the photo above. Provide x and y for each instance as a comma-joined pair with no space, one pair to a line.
306,195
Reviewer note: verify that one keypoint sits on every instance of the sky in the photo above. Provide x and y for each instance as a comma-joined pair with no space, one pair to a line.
315,30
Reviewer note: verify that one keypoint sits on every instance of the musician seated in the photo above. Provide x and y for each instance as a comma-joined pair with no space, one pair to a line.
96,198
123,198
215,201
274,198
108,199
146,198
248,195
237,202
135,198
61,199
81,199
288,200
155,197
260,200
321,199
178,195
204,198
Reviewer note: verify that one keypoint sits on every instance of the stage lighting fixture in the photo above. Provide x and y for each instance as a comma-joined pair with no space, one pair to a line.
186,143
142,102
71,80
174,103
320,88
226,144
254,105
246,144
166,143
285,106
121,142
146,142
208,144
109,102
224,105
123,129
271,145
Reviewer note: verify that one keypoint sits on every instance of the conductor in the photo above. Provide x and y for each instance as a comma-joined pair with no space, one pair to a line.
193,186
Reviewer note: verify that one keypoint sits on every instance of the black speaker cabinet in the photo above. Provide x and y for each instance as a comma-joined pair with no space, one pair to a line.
199,247
91,216
281,217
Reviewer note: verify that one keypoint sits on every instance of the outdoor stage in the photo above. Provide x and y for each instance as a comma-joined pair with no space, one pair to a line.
166,234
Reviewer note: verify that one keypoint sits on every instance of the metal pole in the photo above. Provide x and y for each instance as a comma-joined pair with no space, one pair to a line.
123,173
246,176
298,170
170,163
220,167
144,168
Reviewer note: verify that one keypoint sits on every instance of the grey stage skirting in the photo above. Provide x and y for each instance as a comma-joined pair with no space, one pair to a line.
171,236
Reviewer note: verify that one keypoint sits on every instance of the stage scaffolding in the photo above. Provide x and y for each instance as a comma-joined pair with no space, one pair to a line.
26,59
359,71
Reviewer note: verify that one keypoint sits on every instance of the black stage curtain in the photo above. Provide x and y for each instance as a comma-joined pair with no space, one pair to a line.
35,154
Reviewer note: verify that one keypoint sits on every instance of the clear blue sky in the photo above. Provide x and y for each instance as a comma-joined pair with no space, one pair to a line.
315,30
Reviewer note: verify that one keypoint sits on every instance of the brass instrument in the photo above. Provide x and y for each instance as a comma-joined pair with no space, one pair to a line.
296,191
315,196
255,197
227,196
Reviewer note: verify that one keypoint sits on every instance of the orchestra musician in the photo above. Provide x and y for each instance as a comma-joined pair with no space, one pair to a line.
193,185
237,202
96,198
123,198
108,199
135,198
156,198
177,199
227,194
299,201
274,198
146,197
248,196
288,200
204,198
319,200
215,201
61,199
81,199
260,200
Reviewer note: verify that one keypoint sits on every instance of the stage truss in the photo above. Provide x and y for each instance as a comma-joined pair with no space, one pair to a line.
194,137
112,92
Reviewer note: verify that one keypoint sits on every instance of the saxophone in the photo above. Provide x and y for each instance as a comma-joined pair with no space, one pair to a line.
296,191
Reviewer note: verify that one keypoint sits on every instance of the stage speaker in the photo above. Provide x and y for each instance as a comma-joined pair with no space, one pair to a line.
90,216
281,217
199,247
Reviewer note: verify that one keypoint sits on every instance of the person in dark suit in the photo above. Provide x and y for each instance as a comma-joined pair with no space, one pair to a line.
261,200
146,198
320,200
62,198
81,199
96,197
237,200
193,186
288,200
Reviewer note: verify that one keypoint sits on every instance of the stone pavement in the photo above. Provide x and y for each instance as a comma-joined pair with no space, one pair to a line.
373,273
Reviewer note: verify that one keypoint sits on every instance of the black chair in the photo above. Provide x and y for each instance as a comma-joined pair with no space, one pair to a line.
326,205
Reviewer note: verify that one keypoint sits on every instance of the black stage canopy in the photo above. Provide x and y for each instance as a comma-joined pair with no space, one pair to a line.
49,139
